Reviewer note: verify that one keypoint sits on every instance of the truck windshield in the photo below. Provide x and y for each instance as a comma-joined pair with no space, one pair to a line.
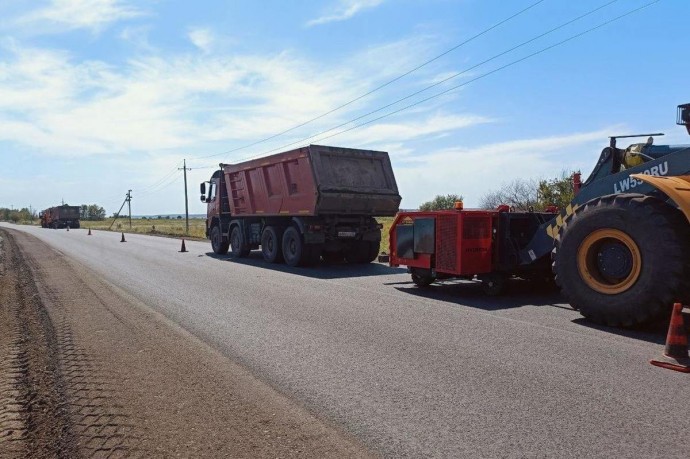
212,191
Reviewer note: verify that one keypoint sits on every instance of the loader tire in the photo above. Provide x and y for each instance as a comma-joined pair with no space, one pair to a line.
621,260
218,245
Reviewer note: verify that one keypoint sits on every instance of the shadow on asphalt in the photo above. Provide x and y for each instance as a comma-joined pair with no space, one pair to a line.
651,333
460,292
470,294
322,271
523,293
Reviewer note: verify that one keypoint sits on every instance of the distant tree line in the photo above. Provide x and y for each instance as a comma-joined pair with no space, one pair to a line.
91,212
520,194
86,212
17,215
441,202
526,194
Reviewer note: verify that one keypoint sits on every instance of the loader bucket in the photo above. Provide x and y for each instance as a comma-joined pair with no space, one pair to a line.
676,188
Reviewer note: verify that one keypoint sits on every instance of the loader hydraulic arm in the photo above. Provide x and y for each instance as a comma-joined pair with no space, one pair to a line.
646,179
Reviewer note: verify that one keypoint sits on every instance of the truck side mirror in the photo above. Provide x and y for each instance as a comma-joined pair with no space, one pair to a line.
202,188
203,198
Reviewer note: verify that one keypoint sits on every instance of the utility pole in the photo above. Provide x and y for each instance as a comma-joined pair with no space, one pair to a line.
186,201
128,199
129,206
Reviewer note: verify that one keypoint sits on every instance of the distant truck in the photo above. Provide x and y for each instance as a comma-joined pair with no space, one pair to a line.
60,217
301,205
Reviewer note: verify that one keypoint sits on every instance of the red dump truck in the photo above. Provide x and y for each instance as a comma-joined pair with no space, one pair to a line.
302,205
60,217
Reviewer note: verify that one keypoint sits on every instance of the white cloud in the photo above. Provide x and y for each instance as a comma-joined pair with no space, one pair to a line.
345,9
474,171
93,15
201,38
423,126
57,105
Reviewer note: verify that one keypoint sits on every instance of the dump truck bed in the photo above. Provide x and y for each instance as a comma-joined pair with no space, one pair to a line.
314,180
66,212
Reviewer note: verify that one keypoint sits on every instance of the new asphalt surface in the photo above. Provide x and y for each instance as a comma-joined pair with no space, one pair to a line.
438,372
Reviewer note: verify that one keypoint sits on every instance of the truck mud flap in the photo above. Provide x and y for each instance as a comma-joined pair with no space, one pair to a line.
676,187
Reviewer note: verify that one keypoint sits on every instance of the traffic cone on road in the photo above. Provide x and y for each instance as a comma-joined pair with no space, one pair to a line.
183,249
123,238
676,352
89,232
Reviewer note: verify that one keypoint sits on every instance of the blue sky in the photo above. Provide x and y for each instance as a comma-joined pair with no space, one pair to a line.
101,96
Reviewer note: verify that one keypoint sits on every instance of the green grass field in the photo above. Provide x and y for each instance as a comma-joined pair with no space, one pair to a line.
157,226
176,228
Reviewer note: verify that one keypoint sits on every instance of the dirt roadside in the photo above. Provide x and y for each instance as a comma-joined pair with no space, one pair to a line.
87,371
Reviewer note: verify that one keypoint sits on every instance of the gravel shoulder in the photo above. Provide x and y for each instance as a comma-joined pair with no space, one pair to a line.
88,370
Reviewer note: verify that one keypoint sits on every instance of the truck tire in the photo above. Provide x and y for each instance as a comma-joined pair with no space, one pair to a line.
218,245
332,257
239,248
621,259
312,254
293,246
362,252
271,245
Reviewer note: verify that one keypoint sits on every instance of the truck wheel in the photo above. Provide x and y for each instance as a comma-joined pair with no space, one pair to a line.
312,254
422,277
620,259
362,252
218,245
332,257
293,247
271,245
239,248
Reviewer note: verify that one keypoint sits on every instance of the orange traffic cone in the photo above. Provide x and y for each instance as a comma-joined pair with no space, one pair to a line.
123,238
676,352
89,232
183,249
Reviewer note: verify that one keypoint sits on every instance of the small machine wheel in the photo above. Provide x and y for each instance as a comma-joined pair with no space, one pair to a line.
218,245
293,247
621,260
239,248
422,277
271,245
494,284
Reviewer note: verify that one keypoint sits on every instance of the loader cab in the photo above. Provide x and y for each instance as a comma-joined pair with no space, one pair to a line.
684,116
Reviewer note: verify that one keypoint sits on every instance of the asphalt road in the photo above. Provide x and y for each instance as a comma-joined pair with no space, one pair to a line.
443,372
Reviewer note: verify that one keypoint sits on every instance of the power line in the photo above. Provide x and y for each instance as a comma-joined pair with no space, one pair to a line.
160,188
399,77
162,179
495,70
559,27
